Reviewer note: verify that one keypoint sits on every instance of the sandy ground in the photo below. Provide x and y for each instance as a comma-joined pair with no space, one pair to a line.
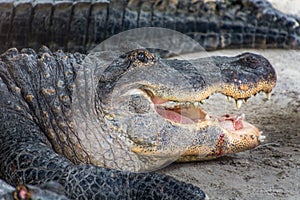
272,170
287,6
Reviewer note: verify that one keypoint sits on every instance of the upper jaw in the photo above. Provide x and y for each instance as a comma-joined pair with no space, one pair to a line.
183,111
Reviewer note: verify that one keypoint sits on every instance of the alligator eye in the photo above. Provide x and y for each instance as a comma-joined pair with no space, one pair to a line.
142,57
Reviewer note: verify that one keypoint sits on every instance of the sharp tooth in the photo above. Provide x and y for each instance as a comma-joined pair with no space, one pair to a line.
196,104
238,103
261,138
207,117
229,98
180,103
169,104
268,95
202,102
187,103
243,116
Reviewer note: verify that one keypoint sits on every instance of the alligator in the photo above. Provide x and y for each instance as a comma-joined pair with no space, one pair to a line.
80,26
40,142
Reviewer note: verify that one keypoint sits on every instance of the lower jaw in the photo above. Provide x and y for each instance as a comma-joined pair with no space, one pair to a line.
234,134
229,142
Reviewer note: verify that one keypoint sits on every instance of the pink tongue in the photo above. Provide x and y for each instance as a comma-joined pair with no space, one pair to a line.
169,114
231,123
174,116
226,121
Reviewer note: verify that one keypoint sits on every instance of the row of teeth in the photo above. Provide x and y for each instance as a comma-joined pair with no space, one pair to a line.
196,104
239,102
174,104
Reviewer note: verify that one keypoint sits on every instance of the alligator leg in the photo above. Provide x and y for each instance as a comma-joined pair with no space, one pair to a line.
29,161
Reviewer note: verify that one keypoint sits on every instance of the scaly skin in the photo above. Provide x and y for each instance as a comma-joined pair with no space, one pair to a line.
81,26
29,111
24,119
37,122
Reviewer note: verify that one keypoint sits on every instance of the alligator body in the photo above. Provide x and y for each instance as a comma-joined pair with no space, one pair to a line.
39,141
37,91
79,26
138,130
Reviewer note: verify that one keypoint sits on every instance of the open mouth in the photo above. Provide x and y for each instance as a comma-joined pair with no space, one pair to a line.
191,113
179,112
188,113
220,135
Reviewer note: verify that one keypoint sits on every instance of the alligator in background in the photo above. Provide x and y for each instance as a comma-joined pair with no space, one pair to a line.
36,88
79,26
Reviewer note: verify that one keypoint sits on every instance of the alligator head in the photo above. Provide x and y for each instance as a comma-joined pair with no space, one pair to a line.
152,108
